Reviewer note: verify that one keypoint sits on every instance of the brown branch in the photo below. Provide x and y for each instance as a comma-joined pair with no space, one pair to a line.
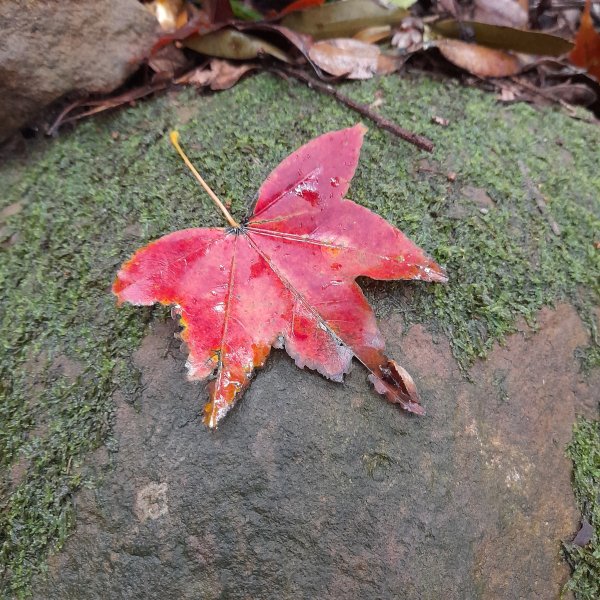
363,109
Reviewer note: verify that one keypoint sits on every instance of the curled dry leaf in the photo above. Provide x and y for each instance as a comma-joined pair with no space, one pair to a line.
351,58
479,60
284,278
218,75
408,36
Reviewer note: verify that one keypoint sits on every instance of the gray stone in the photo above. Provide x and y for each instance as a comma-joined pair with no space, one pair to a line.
55,47
312,489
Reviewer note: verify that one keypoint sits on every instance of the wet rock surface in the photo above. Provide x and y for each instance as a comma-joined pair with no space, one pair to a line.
52,48
312,489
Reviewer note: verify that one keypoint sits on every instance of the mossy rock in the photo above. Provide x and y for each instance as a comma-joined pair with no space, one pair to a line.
310,488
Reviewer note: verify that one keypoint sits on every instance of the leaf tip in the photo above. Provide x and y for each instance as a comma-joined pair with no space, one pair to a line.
437,273
210,418
214,411
429,270
361,127
394,382
416,409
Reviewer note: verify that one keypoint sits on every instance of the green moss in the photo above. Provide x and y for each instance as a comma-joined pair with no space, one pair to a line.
91,197
584,451
507,262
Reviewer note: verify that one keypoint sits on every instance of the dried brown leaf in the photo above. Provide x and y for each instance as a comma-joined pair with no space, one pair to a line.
219,74
479,60
408,36
345,57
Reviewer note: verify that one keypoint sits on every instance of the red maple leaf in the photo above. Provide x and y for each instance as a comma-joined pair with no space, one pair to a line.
285,278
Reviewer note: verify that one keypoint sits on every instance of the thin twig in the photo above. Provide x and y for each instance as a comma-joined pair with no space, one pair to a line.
101,104
544,94
539,198
61,117
174,137
363,109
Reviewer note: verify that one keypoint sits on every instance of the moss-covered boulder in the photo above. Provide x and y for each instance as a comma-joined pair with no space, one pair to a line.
310,488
